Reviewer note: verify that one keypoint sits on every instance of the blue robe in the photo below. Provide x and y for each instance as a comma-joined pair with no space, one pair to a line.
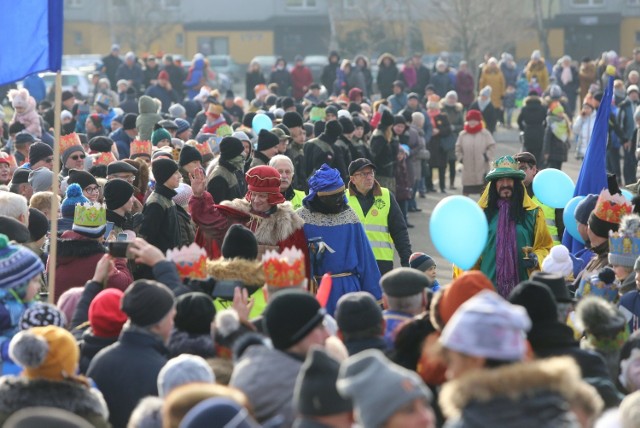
353,254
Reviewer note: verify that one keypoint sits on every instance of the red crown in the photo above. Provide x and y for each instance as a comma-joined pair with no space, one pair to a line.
139,147
68,141
284,269
104,158
191,261
611,208
204,148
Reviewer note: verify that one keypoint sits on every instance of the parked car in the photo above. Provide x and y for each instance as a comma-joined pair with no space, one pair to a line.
221,81
72,80
226,65
316,63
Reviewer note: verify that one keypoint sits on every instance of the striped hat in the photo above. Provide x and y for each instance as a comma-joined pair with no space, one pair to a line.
18,264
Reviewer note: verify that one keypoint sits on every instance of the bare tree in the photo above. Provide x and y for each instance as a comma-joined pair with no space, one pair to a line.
140,23
541,28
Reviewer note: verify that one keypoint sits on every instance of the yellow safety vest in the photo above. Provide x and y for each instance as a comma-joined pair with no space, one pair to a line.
550,220
298,196
376,224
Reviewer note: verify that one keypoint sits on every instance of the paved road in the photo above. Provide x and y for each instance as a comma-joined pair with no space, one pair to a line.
507,143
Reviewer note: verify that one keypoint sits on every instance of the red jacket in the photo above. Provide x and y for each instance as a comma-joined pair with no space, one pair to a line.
301,78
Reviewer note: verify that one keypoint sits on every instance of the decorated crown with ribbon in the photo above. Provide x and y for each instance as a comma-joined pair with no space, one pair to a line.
624,245
104,158
611,208
139,147
190,261
285,269
68,141
505,167
90,214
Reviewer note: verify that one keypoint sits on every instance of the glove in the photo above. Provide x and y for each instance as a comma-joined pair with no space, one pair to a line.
531,262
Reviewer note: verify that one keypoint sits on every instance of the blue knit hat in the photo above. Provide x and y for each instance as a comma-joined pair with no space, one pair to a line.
18,264
324,181
74,196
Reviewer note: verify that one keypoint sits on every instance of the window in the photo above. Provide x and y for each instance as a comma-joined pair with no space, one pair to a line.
213,45
587,3
180,40
302,4
73,3
77,38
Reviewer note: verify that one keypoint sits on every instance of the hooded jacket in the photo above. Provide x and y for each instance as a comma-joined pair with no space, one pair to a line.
147,118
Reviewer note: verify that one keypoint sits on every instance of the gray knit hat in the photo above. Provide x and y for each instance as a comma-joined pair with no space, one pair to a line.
41,179
378,387
181,370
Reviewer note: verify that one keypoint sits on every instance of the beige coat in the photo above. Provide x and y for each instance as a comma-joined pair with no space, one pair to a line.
493,77
475,151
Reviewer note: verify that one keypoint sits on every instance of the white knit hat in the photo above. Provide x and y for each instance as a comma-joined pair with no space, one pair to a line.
558,261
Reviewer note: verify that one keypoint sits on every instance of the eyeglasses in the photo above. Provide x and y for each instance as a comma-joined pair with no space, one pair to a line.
129,178
92,189
76,157
49,160
365,174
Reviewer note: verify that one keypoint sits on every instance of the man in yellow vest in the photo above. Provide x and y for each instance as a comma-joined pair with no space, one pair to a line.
285,167
379,214
553,217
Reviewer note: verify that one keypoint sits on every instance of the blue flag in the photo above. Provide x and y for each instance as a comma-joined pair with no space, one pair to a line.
593,173
32,41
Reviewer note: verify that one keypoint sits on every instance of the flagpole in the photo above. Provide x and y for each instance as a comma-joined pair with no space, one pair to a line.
53,237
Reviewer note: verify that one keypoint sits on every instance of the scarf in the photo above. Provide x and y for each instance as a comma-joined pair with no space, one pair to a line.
483,104
432,116
559,127
506,250
473,129
410,76
567,76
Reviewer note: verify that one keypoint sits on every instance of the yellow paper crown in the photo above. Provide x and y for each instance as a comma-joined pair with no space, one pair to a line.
204,148
104,158
90,214
284,269
68,141
139,147
191,261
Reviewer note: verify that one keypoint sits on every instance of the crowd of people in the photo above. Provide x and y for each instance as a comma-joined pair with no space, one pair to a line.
212,269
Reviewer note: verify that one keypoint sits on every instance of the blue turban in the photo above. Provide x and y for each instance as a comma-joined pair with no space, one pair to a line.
325,181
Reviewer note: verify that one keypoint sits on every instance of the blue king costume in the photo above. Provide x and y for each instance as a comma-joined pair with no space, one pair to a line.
338,244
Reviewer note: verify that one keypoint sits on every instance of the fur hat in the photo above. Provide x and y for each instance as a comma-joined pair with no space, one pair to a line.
194,313
38,224
386,120
230,147
357,312
239,242
292,119
600,319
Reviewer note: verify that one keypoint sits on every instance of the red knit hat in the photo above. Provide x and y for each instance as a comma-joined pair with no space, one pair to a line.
460,290
264,179
105,316
163,75
473,115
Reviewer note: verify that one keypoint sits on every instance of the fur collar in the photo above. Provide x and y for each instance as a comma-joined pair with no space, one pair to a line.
533,99
272,229
79,248
559,375
248,271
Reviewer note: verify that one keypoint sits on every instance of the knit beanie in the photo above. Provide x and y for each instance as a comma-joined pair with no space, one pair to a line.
38,224
163,169
117,192
537,299
558,261
624,245
292,119
291,316
333,130
239,242
73,196
70,144
230,147
20,176
68,301
105,316
607,213
18,264
386,120
42,314
181,370
129,121
41,179
585,207
39,151
159,135
358,311
14,230
189,154
347,125
378,387
421,262
315,392
182,124
83,178
100,144
267,140
194,313
459,291
49,352
318,127
147,302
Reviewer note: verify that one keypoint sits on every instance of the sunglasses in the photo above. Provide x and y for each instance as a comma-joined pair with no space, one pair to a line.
76,157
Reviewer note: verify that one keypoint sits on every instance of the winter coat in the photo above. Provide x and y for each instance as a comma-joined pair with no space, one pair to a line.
328,76
196,78
570,89
455,114
366,73
356,79
423,77
475,152
586,77
301,78
76,264
492,76
397,102
160,226
557,149
464,87
133,73
90,345
384,154
322,150
532,120
386,77
538,69
147,118
443,144
267,377
283,79
510,74
122,142
226,183
404,183
441,83
166,97
251,80
418,153
529,395
176,78
18,393
182,342
489,115
127,371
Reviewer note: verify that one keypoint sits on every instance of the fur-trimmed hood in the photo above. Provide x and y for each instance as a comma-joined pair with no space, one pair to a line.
457,106
18,392
502,395
248,271
78,248
532,99
272,229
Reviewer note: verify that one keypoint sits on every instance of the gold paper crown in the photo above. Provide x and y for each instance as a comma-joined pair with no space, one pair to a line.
204,148
104,158
611,208
139,147
90,215
68,141
190,261
284,269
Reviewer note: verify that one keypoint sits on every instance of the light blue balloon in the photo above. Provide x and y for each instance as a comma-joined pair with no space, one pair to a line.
568,216
261,121
459,230
553,187
627,194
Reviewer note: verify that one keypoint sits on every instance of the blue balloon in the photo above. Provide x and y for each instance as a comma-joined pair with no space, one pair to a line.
459,230
627,194
261,121
553,187
568,216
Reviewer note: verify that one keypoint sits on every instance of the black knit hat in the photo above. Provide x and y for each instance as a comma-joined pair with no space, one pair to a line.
239,242
292,119
287,102
189,154
230,147
129,121
315,392
119,167
116,193
248,119
67,95
291,316
357,312
537,299
101,144
163,169
194,313
347,125
333,129
23,138
38,224
585,207
14,230
20,176
318,128
39,151
147,302
267,140
403,282
331,110
399,119
386,120
83,178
